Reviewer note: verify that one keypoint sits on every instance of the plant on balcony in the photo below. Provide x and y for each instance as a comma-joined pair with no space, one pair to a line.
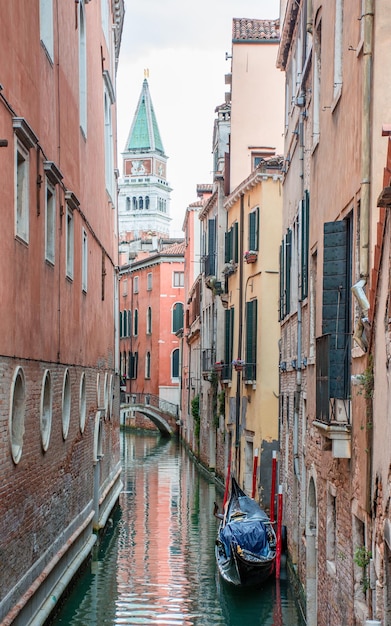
250,256
238,364
218,366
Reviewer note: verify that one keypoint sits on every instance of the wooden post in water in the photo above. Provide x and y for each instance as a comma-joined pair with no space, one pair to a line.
279,531
255,467
273,487
226,492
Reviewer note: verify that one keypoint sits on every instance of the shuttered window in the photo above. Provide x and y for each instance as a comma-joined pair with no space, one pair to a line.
133,364
251,339
336,303
177,317
231,244
253,228
212,247
305,217
228,343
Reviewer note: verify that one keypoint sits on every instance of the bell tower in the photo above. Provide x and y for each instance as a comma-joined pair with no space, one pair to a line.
144,192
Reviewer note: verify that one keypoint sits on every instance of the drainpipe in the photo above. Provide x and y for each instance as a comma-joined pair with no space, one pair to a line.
366,153
240,339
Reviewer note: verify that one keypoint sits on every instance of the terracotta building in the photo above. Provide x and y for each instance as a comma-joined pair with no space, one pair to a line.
336,103
59,411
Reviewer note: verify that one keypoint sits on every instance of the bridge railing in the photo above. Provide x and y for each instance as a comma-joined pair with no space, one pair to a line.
148,399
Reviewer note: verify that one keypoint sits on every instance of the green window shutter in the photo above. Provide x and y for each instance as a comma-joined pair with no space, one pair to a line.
135,320
228,246
175,364
212,246
120,324
251,337
228,342
129,323
288,261
282,281
235,255
305,216
336,303
253,225
177,317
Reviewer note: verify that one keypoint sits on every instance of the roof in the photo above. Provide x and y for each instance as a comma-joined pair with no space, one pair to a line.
245,29
175,248
144,135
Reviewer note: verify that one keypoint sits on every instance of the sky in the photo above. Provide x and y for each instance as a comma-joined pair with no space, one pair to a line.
183,44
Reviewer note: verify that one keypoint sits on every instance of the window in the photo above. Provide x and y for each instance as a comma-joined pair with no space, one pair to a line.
231,244
149,281
84,261
305,217
108,139
175,364
82,402
177,317
285,274
178,279
135,322
66,404
338,49
148,365
50,221
129,328
125,324
133,364
316,85
251,340
69,243
228,343
46,409
210,264
253,228
331,527
46,25
82,68
106,395
105,20
17,413
135,284
120,325
22,192
149,320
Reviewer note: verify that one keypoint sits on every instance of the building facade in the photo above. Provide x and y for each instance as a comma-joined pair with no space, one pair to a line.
334,160
60,456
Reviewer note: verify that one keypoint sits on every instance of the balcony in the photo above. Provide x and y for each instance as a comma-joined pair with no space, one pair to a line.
208,361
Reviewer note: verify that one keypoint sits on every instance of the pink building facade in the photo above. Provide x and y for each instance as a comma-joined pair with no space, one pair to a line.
59,414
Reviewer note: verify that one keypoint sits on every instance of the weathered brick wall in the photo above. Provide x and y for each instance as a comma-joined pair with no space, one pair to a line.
42,494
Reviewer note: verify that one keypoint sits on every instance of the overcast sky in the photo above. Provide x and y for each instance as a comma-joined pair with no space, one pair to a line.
183,44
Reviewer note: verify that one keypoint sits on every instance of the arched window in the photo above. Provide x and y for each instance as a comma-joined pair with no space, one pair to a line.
175,364
149,320
147,202
127,203
148,365
134,203
129,323
66,404
17,412
140,203
83,402
177,317
46,409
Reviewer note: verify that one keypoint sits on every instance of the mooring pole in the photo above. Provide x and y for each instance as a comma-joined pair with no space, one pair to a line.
273,487
255,467
279,531
228,478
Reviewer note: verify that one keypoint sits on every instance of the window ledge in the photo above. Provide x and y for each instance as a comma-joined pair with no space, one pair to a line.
340,435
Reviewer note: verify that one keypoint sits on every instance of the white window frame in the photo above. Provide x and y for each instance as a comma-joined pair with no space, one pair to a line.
66,403
338,49
178,277
50,221
84,260
17,414
69,243
46,26
22,200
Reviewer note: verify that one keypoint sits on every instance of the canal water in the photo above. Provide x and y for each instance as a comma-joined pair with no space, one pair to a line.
156,563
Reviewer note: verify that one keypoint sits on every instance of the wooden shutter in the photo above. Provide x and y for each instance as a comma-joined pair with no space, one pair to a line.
212,246
336,303
251,338
288,261
305,215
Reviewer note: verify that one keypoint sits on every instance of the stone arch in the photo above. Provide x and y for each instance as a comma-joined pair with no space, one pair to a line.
311,530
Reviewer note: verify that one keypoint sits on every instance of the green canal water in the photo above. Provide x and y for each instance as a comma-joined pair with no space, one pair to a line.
156,563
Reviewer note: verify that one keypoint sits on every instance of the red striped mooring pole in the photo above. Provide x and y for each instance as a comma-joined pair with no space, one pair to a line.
255,467
279,531
273,487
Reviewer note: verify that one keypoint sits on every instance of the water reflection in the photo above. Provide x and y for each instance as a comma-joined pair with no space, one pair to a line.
156,564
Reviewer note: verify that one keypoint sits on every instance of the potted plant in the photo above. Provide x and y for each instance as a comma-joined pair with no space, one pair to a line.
218,366
250,256
238,364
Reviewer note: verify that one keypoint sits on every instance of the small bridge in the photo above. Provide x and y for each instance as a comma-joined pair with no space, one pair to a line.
164,414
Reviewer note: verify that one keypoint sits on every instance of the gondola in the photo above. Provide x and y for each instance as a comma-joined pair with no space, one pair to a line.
246,542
